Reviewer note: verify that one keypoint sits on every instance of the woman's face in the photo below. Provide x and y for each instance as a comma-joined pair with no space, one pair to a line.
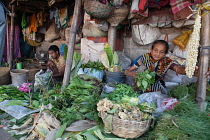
158,52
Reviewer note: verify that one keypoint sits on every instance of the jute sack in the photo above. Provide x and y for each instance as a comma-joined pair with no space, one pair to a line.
145,34
52,33
90,30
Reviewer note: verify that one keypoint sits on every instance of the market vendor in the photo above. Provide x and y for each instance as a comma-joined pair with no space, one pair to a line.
157,61
56,63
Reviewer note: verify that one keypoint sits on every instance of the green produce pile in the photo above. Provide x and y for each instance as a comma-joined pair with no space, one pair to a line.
94,65
78,101
120,91
11,92
185,121
145,79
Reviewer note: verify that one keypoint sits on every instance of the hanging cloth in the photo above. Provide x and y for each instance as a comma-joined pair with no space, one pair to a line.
24,21
63,15
33,24
2,30
177,5
16,52
40,18
57,20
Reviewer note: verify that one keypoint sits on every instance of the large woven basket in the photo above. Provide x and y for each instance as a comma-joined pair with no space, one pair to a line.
127,129
118,15
97,9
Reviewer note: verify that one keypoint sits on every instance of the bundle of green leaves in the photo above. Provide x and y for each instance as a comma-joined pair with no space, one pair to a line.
122,90
94,65
145,79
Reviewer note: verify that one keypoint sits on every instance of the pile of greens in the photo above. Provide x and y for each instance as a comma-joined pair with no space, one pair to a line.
185,121
120,91
94,65
145,79
11,92
78,101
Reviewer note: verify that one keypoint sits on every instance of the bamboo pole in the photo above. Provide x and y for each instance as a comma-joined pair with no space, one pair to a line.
12,37
203,59
74,25
112,35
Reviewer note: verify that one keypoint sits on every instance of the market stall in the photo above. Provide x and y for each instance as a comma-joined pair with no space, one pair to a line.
98,99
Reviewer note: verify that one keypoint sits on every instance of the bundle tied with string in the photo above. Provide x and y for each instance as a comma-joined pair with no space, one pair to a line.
97,9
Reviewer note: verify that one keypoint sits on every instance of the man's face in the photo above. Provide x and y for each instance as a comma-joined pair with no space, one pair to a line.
54,55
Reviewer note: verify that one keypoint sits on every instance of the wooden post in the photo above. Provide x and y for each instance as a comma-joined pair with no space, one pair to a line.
203,59
12,36
73,30
112,35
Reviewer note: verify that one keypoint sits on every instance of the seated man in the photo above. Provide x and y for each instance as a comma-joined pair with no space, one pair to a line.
57,63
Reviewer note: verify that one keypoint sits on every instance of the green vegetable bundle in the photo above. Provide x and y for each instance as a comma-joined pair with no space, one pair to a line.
94,65
121,91
145,79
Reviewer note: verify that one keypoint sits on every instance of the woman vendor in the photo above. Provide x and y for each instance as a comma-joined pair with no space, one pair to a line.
157,61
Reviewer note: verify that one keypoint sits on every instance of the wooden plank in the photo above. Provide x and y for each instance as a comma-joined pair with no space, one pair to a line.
12,37
73,30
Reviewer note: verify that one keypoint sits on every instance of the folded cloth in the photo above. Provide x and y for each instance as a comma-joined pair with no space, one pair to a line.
178,5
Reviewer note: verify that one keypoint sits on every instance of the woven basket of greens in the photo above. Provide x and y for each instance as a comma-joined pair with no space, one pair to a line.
124,120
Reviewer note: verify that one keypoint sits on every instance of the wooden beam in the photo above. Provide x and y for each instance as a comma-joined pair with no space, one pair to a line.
112,35
12,36
203,59
73,30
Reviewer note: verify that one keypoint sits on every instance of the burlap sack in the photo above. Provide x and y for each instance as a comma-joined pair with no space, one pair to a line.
52,33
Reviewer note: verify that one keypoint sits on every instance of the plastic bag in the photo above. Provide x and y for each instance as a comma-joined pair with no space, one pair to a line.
108,89
16,111
124,60
163,102
182,39
42,80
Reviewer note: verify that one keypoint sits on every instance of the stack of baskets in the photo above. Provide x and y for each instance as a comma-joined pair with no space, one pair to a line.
97,9
118,15
125,128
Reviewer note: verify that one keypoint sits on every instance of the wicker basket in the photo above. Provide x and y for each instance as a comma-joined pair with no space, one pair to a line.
127,129
5,76
31,74
118,15
97,9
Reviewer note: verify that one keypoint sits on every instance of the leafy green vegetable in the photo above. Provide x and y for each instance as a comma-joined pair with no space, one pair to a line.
121,91
95,65
145,79
130,100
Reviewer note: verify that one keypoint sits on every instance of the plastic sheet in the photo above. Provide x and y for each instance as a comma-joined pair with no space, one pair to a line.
16,111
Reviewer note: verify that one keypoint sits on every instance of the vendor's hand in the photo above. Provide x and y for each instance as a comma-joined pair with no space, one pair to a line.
131,73
208,74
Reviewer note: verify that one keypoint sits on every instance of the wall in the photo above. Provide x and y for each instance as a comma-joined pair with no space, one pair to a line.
133,50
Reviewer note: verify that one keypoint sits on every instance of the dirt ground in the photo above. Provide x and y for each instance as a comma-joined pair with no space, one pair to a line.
4,135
